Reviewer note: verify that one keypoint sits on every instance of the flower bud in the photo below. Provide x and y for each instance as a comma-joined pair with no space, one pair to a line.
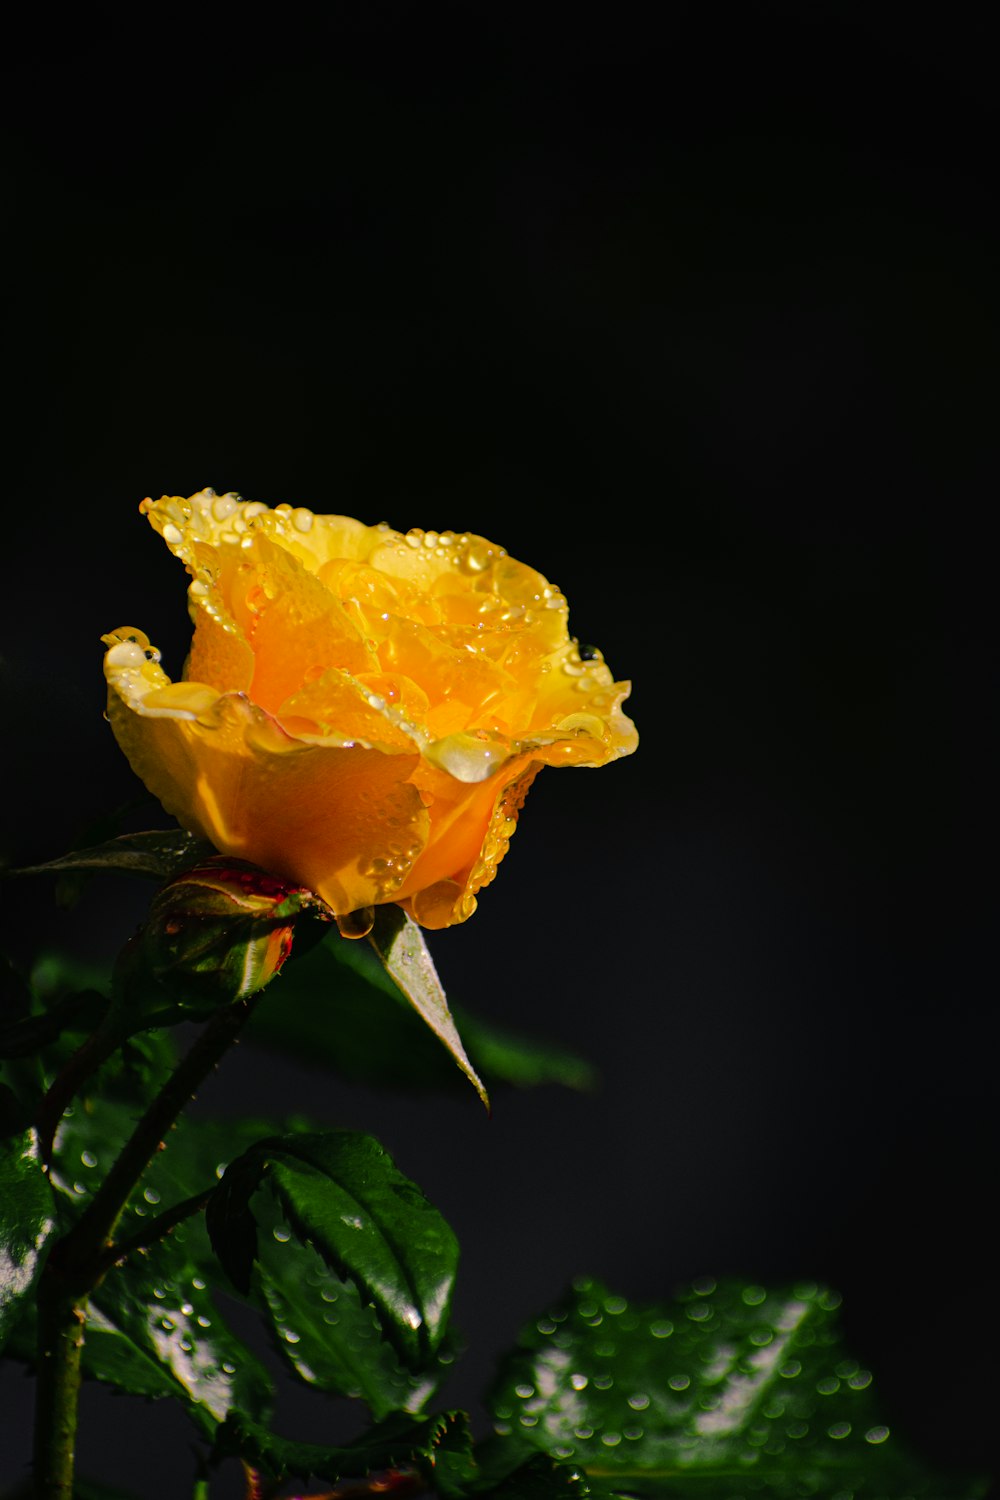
221,931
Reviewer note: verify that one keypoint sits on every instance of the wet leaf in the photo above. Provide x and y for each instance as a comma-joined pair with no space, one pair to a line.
159,853
341,1191
733,1386
329,1335
153,1328
398,1443
401,946
27,1219
337,1007
541,1478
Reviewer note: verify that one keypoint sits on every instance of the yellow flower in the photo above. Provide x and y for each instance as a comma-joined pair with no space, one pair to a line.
362,711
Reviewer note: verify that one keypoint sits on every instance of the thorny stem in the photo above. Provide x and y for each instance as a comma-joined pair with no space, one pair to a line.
82,1257
156,1229
85,1060
90,1236
60,1348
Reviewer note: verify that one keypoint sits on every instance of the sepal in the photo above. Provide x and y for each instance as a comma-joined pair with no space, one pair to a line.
216,933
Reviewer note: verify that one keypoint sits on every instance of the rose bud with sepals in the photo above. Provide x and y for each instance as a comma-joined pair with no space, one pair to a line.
220,932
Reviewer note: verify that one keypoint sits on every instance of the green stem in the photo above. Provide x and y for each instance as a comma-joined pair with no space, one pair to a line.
86,1060
82,1257
89,1239
60,1348
156,1229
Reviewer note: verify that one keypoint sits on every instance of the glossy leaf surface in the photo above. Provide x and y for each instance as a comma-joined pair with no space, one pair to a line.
329,1335
542,1478
733,1388
157,1309
27,1219
398,1443
160,853
337,1007
402,947
341,1191
152,1326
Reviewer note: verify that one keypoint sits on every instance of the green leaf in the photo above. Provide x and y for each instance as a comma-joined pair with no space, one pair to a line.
159,853
329,1335
27,1219
732,1388
397,1445
541,1478
56,975
341,1191
153,1328
319,1324
337,1007
523,1062
401,946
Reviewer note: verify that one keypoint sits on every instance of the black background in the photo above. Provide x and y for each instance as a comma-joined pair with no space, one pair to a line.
698,316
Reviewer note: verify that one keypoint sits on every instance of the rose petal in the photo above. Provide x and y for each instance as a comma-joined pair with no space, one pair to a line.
346,823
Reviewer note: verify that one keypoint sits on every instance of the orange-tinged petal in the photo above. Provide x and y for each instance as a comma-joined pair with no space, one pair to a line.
363,709
469,836
347,823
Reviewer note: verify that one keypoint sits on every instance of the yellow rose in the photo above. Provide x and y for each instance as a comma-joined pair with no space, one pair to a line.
362,711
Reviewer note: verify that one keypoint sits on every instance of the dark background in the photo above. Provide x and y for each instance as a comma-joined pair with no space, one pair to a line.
698,316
